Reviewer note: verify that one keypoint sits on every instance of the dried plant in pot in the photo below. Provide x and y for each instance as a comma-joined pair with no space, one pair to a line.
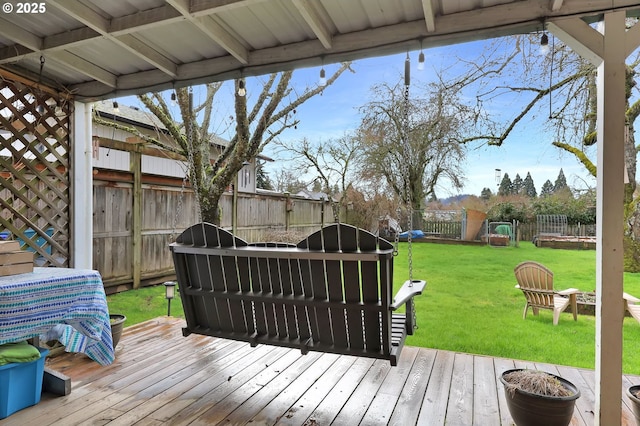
633,393
117,325
539,398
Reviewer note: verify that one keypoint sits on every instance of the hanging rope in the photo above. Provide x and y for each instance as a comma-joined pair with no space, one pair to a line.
406,157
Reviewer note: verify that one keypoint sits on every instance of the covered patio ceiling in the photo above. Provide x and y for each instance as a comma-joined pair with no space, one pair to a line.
98,49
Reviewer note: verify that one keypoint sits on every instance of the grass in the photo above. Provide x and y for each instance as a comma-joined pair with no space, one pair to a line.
470,304
143,304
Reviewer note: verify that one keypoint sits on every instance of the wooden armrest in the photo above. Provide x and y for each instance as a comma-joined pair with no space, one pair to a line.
630,298
568,292
408,290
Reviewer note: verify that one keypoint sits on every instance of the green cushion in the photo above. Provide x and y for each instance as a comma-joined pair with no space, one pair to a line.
18,352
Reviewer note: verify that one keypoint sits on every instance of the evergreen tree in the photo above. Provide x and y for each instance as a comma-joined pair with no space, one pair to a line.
517,185
560,183
262,178
528,188
486,194
506,186
547,189
560,186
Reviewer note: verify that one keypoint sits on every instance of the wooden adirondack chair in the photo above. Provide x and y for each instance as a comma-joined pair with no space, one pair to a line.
631,305
536,282
330,293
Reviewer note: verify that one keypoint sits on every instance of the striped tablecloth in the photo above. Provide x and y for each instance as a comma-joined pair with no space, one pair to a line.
68,305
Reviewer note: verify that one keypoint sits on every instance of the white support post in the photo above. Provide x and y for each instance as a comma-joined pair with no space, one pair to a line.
82,188
610,223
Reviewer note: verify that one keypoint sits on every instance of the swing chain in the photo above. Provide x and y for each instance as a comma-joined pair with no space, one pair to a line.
405,166
188,171
179,207
396,241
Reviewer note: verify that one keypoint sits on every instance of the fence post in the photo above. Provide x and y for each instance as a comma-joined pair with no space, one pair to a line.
234,210
136,170
287,210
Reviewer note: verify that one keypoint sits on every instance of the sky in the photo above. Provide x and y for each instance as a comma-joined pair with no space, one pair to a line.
334,113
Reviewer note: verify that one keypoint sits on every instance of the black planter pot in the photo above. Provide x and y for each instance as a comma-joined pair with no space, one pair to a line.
529,409
117,324
635,402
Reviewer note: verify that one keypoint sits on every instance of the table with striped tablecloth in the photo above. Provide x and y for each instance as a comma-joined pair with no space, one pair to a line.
64,304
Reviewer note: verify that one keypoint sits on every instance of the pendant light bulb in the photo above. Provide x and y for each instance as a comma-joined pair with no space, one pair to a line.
544,44
116,108
174,102
323,78
421,61
241,89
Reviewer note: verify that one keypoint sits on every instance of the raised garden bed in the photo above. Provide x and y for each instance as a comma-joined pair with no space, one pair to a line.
566,242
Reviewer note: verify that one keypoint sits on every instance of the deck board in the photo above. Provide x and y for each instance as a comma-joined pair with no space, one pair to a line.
162,378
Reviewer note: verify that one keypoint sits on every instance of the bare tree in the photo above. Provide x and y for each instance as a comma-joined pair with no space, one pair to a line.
562,86
256,126
414,143
330,163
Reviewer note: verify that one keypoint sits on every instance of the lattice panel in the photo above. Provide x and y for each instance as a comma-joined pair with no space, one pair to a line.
34,171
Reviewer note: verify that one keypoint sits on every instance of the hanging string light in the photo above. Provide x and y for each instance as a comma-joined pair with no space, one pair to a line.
322,81
116,107
241,89
421,58
544,44
323,77
173,99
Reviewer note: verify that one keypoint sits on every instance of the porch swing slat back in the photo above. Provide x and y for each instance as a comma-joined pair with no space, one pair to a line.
332,292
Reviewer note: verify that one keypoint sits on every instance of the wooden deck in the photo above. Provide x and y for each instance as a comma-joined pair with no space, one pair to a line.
160,377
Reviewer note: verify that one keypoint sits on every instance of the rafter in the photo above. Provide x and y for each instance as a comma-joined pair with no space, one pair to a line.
85,67
310,11
101,25
215,31
19,35
429,16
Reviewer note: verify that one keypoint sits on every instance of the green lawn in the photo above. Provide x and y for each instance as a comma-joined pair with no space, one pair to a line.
471,305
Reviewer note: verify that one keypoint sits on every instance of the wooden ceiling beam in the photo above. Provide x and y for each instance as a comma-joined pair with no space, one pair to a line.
311,13
580,37
85,67
19,35
214,30
429,15
101,25
121,26
556,5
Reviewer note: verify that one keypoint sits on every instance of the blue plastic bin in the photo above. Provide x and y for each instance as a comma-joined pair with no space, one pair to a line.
40,241
21,384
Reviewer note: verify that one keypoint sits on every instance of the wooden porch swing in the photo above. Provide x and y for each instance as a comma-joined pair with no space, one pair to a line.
332,292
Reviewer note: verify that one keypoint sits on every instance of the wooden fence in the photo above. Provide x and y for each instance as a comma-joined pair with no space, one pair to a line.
165,211
452,229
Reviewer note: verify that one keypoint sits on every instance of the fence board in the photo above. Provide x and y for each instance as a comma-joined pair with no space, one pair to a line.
166,211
